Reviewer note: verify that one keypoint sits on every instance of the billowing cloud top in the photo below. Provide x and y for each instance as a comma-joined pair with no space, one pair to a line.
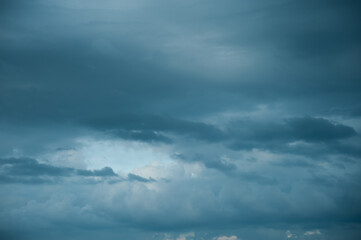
180,120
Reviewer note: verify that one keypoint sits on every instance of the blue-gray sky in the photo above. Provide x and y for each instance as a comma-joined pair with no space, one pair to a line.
180,120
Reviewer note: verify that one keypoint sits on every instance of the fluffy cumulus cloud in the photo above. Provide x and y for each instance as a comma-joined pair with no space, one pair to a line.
180,120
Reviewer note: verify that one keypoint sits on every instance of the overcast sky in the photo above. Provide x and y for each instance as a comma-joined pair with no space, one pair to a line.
180,120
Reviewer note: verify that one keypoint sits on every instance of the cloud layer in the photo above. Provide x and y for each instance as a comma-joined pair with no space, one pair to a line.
180,120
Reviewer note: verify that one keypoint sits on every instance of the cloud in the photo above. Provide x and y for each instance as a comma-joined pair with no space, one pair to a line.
226,238
30,171
145,127
303,135
140,135
315,232
307,129
186,236
318,129
188,201
226,120
289,234
104,172
30,167
134,177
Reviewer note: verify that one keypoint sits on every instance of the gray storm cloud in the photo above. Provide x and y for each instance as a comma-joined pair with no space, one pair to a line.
180,119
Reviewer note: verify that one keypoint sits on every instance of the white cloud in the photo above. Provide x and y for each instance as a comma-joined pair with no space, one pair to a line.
186,236
315,232
289,234
226,238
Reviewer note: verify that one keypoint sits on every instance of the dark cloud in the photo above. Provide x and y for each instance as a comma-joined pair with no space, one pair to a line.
104,172
307,129
241,134
134,177
142,135
145,127
294,163
109,65
212,162
31,167
317,133
318,129
30,171
214,91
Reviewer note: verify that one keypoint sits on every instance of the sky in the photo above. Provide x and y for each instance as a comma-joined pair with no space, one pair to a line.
180,120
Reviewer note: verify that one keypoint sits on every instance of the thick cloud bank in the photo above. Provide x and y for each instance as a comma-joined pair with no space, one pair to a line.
180,120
